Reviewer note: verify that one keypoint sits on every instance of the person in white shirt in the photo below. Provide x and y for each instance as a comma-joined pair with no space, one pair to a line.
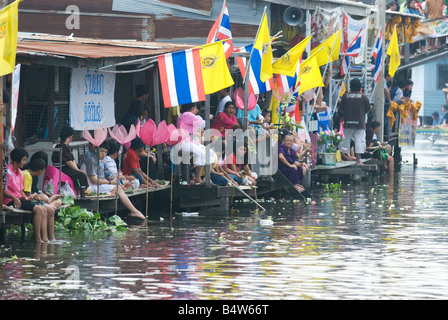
225,97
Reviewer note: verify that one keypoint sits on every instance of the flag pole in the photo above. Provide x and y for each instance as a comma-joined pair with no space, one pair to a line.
247,76
325,71
219,21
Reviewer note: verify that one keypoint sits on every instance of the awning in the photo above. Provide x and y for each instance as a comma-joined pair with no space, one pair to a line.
57,50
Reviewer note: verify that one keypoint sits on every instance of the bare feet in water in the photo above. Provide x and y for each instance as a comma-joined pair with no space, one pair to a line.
137,214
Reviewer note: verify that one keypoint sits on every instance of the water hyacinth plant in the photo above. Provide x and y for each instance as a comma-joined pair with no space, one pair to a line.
329,140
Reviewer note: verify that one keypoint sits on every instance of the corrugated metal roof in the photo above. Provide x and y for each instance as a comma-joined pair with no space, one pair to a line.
85,48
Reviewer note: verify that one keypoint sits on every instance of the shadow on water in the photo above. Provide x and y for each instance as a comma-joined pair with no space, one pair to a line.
386,240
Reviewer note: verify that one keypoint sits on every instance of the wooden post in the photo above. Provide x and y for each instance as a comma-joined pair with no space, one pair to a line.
157,115
207,141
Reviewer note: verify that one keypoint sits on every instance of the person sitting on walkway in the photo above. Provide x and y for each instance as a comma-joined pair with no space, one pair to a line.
192,144
226,120
99,183
131,165
13,195
41,155
217,173
354,105
436,119
237,165
36,168
111,164
379,151
69,166
288,163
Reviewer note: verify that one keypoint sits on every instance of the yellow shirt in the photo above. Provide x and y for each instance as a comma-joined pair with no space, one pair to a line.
27,181
213,166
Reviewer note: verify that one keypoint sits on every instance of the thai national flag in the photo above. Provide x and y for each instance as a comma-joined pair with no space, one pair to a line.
221,31
377,54
181,77
353,51
256,86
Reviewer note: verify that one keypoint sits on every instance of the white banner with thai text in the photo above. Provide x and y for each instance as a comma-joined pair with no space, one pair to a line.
432,29
15,95
92,100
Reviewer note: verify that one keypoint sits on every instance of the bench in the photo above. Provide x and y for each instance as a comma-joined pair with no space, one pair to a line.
11,216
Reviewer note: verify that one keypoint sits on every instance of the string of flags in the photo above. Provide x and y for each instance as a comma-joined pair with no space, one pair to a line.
188,76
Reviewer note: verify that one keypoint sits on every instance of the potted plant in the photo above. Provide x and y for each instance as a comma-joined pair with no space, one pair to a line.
328,141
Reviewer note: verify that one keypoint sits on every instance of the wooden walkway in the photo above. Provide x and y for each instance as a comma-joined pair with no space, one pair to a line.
10,216
107,203
346,169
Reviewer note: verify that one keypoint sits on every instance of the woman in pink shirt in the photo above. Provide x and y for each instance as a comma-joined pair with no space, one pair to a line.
14,195
226,119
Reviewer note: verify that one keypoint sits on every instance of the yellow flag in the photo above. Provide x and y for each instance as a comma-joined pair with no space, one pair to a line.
309,75
287,63
394,52
263,46
273,107
215,72
9,20
330,46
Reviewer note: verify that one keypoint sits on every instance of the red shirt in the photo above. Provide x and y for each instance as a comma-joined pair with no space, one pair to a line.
232,160
130,162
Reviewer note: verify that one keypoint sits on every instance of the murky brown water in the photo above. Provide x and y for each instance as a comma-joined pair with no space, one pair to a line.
386,240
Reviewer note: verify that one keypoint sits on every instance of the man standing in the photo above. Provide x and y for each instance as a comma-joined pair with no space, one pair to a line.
354,106
434,10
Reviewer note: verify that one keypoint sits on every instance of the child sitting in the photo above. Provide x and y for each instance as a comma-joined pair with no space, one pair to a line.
36,168
110,163
131,164
99,183
13,195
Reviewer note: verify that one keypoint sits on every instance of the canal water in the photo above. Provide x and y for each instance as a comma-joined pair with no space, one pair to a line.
382,240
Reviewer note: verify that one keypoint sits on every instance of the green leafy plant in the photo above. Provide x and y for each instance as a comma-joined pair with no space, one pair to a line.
285,99
332,187
80,219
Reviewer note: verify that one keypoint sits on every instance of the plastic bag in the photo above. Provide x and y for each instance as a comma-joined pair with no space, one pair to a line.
66,190
49,187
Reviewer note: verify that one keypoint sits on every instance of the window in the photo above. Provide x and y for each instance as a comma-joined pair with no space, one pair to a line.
442,76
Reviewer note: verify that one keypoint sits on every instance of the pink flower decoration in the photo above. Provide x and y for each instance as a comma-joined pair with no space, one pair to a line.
100,134
162,134
238,97
175,135
148,132
120,134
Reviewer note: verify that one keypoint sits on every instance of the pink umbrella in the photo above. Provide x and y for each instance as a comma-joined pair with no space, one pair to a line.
100,134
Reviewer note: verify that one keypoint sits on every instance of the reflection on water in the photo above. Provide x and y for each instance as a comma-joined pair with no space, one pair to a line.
386,240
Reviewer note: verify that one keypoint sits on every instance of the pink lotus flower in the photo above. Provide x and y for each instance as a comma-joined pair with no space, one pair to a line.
148,132
238,97
162,134
122,136
175,135
100,134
